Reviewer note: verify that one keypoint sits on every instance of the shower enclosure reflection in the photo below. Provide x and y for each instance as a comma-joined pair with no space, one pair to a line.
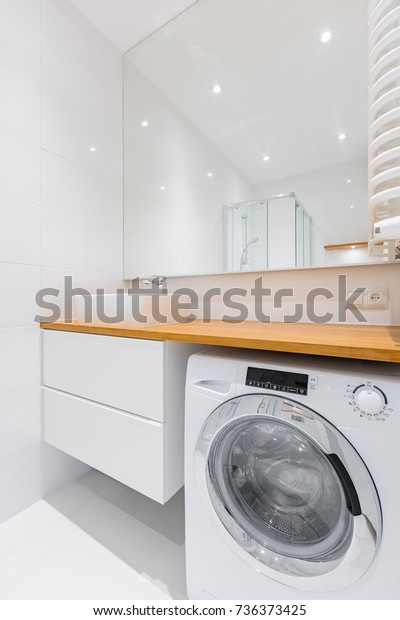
275,233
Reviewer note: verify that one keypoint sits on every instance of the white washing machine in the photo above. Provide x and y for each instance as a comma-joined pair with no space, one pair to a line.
292,477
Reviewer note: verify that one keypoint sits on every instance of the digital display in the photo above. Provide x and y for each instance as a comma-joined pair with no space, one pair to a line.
277,380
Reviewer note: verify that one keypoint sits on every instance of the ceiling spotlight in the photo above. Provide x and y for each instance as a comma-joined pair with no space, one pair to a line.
342,136
93,149
145,123
209,174
326,36
348,181
162,188
351,206
217,89
266,158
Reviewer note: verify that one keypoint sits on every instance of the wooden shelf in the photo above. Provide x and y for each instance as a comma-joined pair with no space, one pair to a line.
368,342
347,246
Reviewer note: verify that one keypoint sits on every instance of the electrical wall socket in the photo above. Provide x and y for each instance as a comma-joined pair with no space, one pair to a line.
376,298
371,298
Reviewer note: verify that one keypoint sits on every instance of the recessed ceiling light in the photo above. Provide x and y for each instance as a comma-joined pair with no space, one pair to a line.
145,123
342,136
266,158
217,89
326,36
93,149
162,188
209,174
348,181
351,206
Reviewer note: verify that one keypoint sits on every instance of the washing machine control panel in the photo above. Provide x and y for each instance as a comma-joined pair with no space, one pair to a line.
277,380
368,401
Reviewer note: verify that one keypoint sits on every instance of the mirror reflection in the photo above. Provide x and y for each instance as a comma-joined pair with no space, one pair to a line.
246,139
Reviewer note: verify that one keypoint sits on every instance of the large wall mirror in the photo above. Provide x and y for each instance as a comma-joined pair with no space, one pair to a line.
246,139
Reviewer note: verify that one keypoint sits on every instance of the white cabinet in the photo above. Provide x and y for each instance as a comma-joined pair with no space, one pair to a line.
124,373
117,404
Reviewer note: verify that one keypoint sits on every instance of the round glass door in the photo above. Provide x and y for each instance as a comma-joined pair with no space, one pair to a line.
280,488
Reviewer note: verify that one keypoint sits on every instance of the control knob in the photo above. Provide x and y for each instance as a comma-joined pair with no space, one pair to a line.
369,399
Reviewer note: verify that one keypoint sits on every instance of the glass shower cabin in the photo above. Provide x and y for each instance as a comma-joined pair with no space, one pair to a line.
275,233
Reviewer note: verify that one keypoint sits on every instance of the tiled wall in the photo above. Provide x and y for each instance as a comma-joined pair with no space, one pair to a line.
60,206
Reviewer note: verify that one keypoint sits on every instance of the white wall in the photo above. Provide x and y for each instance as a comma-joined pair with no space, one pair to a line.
178,229
301,281
60,206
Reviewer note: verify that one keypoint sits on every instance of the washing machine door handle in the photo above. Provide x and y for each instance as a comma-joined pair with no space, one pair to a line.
350,492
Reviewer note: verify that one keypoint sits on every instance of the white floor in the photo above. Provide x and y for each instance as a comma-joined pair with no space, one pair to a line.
94,539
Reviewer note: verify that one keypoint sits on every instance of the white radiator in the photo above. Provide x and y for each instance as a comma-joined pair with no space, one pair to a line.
384,122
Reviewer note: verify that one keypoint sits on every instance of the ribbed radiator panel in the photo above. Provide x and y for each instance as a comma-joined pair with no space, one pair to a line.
384,122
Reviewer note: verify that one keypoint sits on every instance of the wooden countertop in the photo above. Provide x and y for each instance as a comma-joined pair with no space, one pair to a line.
368,342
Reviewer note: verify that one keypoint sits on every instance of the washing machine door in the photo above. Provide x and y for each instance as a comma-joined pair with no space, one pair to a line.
290,490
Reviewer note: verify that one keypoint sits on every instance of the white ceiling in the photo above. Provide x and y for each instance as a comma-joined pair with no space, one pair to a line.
285,94
126,22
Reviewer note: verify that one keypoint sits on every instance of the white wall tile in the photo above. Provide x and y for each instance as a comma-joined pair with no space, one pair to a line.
91,280
29,8
19,358
20,420
53,277
19,232
71,135
20,411
19,284
75,243
81,190
85,193
19,43
20,481
59,469
20,169
70,81
80,203
19,106
69,28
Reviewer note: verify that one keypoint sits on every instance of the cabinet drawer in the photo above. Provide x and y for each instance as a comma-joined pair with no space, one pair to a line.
123,446
124,373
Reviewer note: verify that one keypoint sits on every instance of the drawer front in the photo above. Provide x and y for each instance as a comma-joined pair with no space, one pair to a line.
124,373
123,446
